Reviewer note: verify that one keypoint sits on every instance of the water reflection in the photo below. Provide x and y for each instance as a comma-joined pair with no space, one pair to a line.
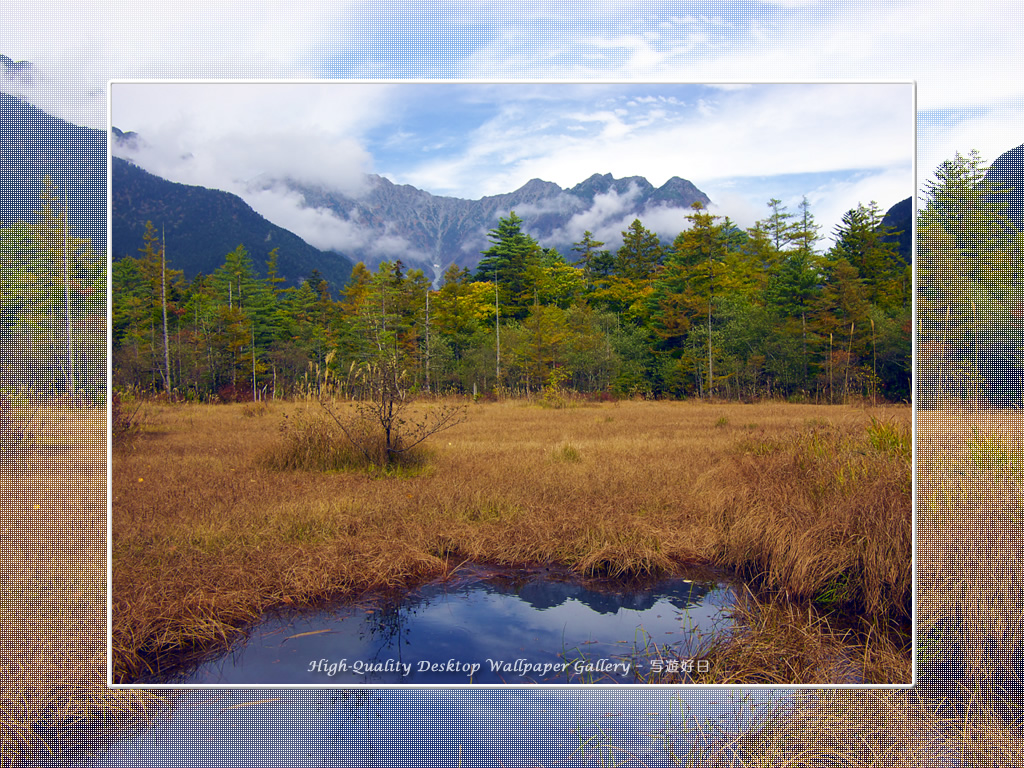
512,614
507,727
483,626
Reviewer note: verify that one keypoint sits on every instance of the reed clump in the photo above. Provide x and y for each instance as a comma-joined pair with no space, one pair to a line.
315,442
826,517
778,642
312,442
567,451
965,707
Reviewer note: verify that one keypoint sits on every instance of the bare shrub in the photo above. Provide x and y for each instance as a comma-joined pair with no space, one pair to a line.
255,410
385,430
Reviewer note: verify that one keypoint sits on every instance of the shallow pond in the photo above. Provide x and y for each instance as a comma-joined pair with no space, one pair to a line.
534,727
482,626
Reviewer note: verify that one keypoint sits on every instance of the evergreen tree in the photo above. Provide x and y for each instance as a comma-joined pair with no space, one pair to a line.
452,315
507,262
842,311
868,247
798,278
804,232
553,281
56,260
154,259
790,293
762,256
701,249
778,226
969,292
640,254
588,250
355,292
274,280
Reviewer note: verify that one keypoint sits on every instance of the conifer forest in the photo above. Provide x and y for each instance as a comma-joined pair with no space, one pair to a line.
723,312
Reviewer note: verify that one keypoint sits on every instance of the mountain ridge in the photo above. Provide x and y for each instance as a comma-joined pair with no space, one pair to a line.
1003,175
434,231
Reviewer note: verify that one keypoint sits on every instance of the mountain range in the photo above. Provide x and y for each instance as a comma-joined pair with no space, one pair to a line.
34,144
387,221
1005,174
900,219
433,232
16,71
390,221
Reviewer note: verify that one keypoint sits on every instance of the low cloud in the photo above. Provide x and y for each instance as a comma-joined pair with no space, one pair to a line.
327,230
665,221
607,211
234,163
561,203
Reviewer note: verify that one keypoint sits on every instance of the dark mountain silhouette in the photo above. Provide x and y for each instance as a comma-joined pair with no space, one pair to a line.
203,225
34,144
1006,174
1002,352
545,593
901,218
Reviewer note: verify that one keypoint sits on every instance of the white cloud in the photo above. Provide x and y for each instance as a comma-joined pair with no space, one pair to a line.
739,207
225,135
561,204
601,218
665,221
86,44
709,134
611,214
323,228
960,55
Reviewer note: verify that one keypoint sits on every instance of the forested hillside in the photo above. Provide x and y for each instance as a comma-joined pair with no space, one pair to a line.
201,225
34,145
724,312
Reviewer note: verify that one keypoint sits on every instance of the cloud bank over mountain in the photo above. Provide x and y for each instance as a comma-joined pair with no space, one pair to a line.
742,144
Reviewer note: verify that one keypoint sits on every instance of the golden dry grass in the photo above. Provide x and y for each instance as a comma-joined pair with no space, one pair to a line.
971,576
52,585
207,536
777,642
863,728
966,708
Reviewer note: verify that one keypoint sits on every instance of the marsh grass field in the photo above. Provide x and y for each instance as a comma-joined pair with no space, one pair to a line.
53,582
964,709
223,512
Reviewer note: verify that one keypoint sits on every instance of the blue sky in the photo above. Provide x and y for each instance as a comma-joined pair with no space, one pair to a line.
838,144
967,93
